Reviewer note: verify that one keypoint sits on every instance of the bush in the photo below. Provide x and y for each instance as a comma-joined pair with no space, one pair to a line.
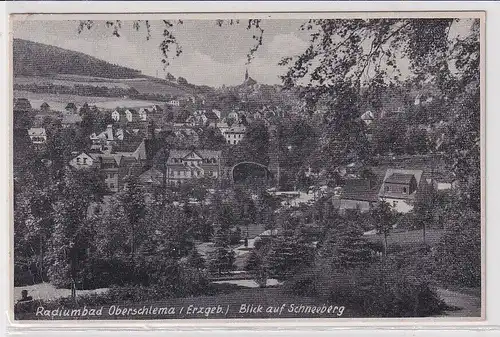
380,290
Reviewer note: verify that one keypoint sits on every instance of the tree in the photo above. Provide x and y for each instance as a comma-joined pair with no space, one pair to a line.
132,201
170,77
258,264
290,252
72,234
255,144
182,80
195,260
425,208
384,220
345,247
389,135
222,257
417,141
212,138
458,253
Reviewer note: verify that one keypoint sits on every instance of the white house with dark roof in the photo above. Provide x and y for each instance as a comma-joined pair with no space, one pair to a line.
38,136
183,165
400,187
82,161
234,134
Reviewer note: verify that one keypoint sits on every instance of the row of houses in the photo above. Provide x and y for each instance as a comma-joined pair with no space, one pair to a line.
396,186
180,166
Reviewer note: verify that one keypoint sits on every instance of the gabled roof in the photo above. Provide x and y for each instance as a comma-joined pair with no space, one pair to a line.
361,189
107,158
152,176
200,153
236,129
45,105
399,178
211,115
400,175
22,104
71,105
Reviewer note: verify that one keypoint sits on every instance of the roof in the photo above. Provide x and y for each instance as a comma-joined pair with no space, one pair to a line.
361,189
45,105
152,176
182,116
201,153
107,158
37,132
71,106
368,116
211,115
22,104
399,175
399,178
236,129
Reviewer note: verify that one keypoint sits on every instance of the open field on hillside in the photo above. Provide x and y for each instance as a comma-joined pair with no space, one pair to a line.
59,102
142,84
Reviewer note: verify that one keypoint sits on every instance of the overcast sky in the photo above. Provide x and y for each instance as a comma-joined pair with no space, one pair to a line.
212,55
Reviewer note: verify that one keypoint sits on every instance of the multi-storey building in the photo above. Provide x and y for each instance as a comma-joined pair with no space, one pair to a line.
184,165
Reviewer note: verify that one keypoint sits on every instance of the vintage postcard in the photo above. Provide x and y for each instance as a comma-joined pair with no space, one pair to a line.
242,167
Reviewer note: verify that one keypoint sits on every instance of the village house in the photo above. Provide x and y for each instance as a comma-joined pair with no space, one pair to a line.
38,137
45,107
151,178
368,117
211,118
71,108
174,102
82,161
116,168
22,104
143,114
184,165
356,194
104,138
234,134
400,187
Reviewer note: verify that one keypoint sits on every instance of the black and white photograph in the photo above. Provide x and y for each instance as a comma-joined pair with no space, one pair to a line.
170,167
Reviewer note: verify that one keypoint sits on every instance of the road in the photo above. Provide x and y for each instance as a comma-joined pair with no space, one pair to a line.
467,305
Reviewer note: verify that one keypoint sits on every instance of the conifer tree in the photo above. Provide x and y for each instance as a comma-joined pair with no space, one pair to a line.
290,252
345,247
222,257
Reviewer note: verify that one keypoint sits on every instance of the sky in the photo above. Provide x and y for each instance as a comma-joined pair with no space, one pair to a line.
212,55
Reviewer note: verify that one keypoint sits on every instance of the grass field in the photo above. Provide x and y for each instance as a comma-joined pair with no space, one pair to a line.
59,102
141,84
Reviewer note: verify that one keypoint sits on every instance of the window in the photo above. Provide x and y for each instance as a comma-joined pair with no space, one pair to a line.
387,189
210,173
78,160
84,161
405,190
394,203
